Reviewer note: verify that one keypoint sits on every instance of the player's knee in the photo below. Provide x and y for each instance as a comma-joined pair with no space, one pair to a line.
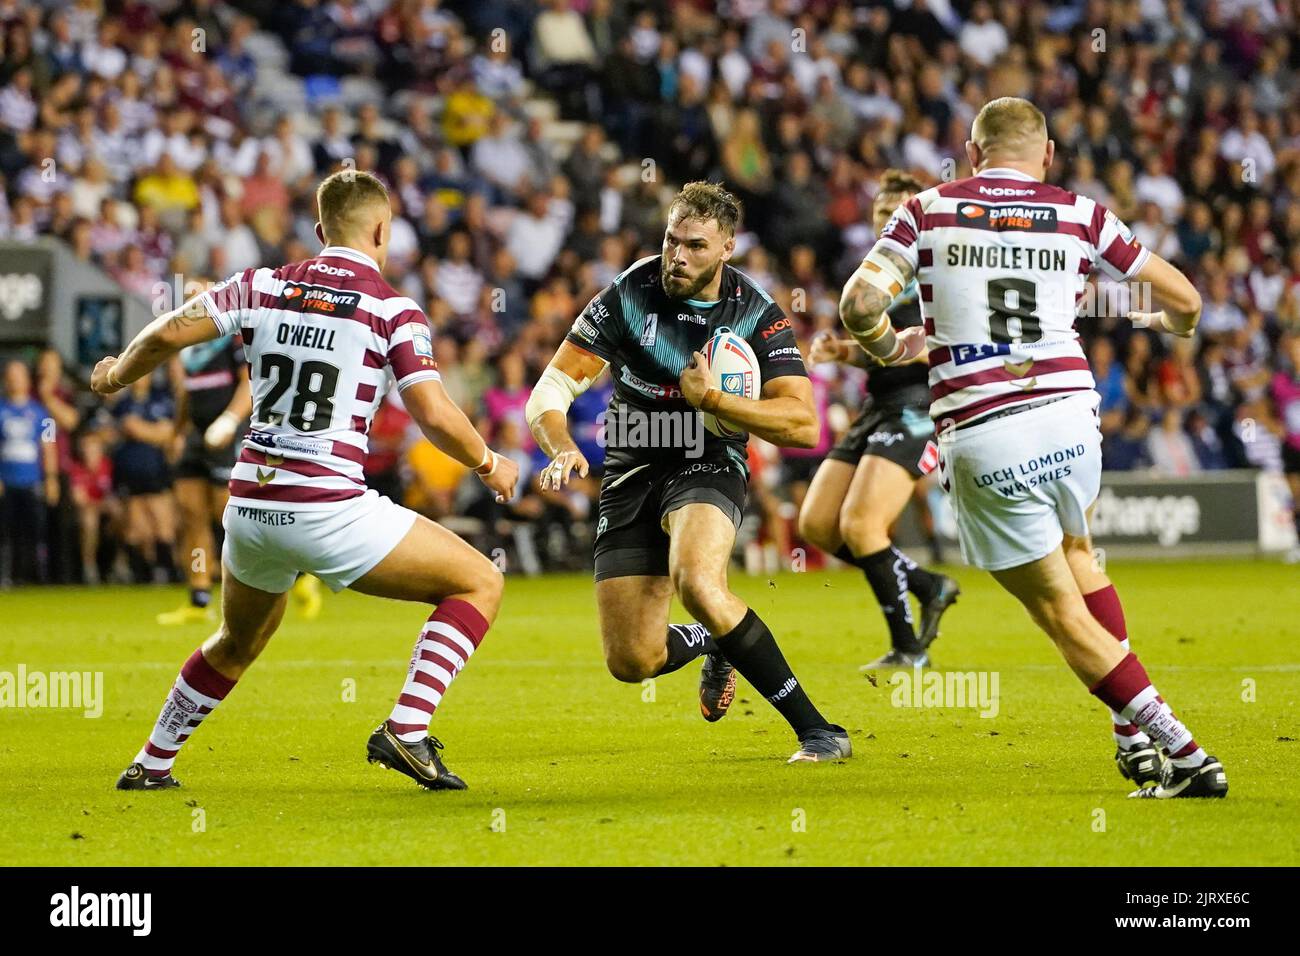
482,586
864,533
1063,620
818,529
489,588
629,666
235,646
702,596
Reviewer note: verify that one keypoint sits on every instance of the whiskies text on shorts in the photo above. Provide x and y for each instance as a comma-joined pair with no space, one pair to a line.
1034,471
262,516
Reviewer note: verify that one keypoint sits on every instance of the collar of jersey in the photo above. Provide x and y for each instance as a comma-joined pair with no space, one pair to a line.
1002,172
345,252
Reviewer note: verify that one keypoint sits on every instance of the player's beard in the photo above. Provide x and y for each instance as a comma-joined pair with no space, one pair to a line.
679,287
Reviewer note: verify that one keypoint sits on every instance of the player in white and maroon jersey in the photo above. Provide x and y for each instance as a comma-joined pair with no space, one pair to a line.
1001,259
324,338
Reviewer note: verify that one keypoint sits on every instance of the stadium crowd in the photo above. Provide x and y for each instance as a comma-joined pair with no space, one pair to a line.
531,150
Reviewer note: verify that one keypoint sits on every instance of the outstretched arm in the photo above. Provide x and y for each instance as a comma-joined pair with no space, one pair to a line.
1174,291
570,373
447,428
158,341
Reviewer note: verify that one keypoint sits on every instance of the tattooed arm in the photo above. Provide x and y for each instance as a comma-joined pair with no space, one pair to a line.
868,293
160,340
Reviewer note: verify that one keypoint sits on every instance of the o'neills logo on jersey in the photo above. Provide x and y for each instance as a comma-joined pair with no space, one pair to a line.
315,299
664,392
1000,218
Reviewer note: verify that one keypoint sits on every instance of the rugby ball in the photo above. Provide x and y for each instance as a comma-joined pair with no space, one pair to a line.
733,368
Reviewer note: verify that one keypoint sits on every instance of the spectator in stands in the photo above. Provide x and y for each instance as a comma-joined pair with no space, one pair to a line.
1170,449
1126,450
29,478
1286,400
90,480
534,239
564,57
55,393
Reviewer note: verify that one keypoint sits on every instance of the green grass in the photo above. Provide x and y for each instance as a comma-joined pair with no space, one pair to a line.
581,770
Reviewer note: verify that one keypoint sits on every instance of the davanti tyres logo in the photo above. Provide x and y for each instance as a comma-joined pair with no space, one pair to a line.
1020,218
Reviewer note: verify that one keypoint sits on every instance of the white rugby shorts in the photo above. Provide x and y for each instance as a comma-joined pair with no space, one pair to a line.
1019,482
266,548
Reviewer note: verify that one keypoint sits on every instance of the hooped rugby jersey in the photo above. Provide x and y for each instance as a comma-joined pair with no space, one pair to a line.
320,337
1002,261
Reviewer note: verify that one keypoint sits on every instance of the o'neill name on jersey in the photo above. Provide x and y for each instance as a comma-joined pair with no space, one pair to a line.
306,336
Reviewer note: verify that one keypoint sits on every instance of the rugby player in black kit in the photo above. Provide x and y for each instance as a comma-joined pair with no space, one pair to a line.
867,479
672,494
213,403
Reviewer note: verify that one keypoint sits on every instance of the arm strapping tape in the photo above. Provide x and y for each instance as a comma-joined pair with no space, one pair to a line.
554,391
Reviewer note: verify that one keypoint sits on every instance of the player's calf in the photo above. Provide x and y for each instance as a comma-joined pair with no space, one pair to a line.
197,691
250,617
449,637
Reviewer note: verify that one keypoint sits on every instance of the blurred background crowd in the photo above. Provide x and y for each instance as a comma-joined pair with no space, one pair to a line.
531,149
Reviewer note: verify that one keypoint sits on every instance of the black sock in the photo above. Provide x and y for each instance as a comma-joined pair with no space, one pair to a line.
752,650
200,597
920,582
165,561
887,575
685,643
848,557
141,572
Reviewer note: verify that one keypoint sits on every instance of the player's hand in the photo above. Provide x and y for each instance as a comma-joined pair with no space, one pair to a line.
51,490
221,432
826,346
556,475
913,339
1159,322
501,477
99,377
695,380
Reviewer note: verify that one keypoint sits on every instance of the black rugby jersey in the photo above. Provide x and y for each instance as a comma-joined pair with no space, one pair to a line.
648,337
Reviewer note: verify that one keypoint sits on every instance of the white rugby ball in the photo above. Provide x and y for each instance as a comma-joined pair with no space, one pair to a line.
733,368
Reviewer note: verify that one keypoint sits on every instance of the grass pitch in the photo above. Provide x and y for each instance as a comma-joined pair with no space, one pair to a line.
568,767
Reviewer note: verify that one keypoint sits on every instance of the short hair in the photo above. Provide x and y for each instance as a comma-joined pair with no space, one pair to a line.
343,196
1008,124
704,201
897,181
